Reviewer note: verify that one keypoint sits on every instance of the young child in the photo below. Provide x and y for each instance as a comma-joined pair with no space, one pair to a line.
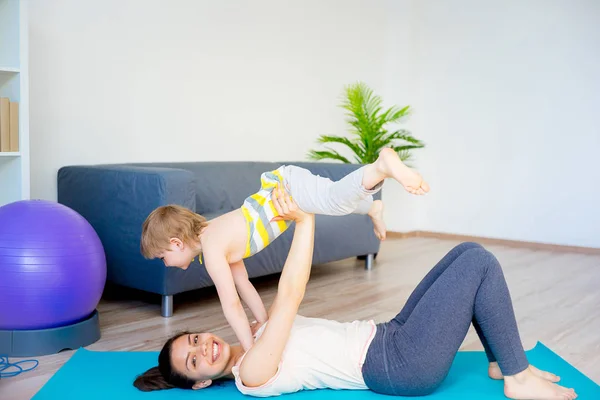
177,235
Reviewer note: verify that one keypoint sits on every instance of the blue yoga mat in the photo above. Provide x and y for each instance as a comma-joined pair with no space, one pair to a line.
109,375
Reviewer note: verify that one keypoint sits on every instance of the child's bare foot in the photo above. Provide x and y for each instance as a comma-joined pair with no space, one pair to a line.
390,165
527,385
376,214
494,372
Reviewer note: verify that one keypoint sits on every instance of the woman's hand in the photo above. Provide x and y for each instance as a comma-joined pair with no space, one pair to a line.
286,207
255,326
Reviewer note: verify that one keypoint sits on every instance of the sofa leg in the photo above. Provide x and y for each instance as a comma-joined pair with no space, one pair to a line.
167,306
369,261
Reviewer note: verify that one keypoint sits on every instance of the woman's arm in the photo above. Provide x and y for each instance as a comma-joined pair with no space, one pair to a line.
261,362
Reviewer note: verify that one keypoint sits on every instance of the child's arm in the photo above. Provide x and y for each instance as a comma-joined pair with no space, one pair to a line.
248,292
220,273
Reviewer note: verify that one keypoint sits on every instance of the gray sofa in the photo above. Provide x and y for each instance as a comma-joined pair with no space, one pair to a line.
116,199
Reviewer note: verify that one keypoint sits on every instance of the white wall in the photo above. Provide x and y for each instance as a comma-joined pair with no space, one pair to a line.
138,80
401,81
507,99
504,94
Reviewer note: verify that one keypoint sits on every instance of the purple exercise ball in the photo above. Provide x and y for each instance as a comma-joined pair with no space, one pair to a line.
52,266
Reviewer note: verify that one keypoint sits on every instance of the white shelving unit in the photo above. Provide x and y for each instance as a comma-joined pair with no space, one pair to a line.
14,84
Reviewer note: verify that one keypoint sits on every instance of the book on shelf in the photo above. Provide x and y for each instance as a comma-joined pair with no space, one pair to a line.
14,126
9,125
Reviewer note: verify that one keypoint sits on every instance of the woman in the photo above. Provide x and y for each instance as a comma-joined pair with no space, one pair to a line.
409,355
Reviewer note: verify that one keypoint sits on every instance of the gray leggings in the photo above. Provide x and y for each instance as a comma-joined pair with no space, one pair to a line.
412,354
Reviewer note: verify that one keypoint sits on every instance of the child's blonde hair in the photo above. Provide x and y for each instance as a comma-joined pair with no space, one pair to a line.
167,222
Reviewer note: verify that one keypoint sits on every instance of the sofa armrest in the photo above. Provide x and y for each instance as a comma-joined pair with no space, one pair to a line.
116,200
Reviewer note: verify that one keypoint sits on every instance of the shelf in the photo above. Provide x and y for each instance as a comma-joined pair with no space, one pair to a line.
14,80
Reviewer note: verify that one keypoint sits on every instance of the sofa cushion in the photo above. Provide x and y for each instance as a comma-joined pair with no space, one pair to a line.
222,186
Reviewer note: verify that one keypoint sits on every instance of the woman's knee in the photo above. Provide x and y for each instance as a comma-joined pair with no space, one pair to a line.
461,248
480,259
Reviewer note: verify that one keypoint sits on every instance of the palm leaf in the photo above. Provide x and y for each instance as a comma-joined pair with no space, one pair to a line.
391,115
386,139
324,155
355,147
404,148
355,103
405,156
372,103
364,104
382,120
403,134
368,133
398,113
369,105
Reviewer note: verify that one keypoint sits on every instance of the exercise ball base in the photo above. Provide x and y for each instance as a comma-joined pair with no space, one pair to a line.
31,343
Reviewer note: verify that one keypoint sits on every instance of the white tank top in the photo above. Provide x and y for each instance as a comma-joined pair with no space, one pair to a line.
319,354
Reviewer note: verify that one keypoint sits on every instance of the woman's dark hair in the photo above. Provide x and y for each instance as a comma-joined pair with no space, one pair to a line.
163,376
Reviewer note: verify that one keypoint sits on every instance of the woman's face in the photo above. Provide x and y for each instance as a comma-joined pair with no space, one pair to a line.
200,356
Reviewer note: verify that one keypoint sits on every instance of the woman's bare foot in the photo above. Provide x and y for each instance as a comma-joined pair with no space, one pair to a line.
376,214
549,376
527,385
389,164
495,373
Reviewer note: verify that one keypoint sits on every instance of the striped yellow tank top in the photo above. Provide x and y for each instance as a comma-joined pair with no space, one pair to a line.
259,210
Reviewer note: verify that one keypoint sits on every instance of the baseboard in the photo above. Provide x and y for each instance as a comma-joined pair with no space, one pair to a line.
502,242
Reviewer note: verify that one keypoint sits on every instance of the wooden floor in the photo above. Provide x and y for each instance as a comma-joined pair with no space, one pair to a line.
556,296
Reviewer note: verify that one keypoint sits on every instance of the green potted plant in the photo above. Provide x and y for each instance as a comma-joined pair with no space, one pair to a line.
369,132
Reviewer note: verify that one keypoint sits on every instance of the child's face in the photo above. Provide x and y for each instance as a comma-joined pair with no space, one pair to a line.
179,254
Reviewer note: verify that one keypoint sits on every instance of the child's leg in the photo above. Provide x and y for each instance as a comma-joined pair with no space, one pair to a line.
318,195
349,195
353,193
389,165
